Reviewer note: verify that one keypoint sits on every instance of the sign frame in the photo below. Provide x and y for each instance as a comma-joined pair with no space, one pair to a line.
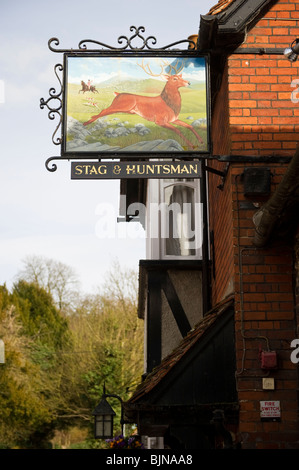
62,103
126,109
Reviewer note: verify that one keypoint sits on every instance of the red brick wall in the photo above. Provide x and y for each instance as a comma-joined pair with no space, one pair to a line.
265,319
263,118
255,104
220,201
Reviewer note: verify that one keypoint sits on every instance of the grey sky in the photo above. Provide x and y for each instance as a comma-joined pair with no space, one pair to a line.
48,214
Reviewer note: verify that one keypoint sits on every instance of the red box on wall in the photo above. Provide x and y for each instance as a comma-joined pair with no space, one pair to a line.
268,360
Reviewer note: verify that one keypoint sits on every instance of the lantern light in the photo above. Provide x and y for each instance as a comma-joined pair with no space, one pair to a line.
103,417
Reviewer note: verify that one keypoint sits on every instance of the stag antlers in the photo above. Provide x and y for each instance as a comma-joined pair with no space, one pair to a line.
173,69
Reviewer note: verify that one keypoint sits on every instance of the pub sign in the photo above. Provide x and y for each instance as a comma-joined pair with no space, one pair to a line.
120,102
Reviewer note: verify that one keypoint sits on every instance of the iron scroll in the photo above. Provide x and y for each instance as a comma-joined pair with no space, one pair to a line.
124,41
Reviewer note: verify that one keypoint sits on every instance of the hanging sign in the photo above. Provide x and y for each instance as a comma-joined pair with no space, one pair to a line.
117,102
124,170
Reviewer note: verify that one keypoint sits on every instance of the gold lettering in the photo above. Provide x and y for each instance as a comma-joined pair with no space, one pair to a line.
158,166
93,170
193,168
100,171
78,170
131,170
166,169
139,167
150,168
175,169
87,169
184,169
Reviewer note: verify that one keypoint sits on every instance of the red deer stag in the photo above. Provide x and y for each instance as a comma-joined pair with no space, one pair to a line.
163,109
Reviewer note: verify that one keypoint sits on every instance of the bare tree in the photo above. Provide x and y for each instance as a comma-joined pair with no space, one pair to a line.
58,279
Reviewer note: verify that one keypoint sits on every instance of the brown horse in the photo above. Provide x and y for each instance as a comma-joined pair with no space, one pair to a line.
85,88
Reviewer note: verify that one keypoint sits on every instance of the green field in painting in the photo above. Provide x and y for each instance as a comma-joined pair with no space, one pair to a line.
80,107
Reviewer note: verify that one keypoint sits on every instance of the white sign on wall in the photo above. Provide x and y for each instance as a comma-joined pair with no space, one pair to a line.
270,409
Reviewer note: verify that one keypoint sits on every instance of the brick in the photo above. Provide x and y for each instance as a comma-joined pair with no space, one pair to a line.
234,79
263,63
262,71
282,87
281,21
244,120
280,41
281,31
271,95
266,136
243,103
264,120
283,104
284,120
265,112
240,71
263,79
263,87
282,7
261,40
263,31
242,87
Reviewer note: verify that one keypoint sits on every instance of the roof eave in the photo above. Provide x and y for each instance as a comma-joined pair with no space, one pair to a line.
228,29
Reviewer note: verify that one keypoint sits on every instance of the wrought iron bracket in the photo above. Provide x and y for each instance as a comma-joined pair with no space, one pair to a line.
223,174
125,43
54,99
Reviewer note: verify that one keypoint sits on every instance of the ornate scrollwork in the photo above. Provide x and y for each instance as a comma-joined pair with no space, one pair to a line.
54,166
54,104
127,43
123,41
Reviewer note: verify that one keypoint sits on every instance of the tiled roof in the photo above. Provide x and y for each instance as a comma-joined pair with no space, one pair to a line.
220,6
167,364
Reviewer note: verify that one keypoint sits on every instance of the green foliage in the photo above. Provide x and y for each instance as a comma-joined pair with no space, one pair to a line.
23,409
39,315
56,366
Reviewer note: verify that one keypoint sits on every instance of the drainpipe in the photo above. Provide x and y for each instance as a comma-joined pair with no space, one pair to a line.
205,244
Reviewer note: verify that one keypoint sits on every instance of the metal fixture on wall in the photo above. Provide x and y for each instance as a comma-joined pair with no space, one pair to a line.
292,52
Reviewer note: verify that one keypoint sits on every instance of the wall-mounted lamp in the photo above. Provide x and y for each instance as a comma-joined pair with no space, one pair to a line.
292,52
103,417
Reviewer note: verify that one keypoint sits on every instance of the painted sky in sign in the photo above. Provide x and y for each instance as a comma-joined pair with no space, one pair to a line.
101,69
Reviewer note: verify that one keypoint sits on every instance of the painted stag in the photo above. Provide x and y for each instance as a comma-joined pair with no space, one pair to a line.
163,109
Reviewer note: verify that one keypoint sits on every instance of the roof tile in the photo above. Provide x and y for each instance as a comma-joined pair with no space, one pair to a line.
220,6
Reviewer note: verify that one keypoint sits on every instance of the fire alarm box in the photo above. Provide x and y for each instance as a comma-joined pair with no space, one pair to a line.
268,360
257,182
